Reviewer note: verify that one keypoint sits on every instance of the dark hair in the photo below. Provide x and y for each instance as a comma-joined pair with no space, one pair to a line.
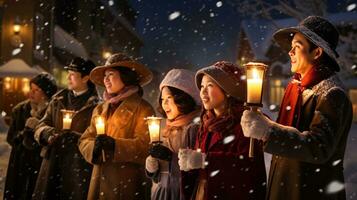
324,59
184,102
90,84
130,77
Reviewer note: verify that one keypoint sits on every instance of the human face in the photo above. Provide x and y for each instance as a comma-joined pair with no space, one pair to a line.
300,55
112,81
212,95
76,82
36,94
168,104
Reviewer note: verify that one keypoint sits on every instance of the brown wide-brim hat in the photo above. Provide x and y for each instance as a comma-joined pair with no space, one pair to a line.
316,29
121,60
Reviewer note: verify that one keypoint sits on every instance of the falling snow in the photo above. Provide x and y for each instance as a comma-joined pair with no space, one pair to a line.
174,15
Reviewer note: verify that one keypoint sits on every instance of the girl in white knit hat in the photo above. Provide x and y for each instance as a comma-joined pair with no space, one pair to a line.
179,103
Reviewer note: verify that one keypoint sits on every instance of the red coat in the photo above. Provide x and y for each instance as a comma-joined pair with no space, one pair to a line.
230,173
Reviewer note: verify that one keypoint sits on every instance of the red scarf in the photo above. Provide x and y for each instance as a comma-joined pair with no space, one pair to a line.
222,125
292,101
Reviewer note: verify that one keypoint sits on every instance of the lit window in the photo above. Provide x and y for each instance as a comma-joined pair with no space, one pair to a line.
276,91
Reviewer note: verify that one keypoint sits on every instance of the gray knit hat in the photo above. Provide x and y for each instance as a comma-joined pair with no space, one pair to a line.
184,80
228,76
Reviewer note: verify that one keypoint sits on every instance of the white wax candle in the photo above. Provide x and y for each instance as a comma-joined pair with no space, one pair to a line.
100,126
254,90
154,130
67,121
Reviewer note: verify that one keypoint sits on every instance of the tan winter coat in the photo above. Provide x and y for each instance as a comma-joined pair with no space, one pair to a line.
122,176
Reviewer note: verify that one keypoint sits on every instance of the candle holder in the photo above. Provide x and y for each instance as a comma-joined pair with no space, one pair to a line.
255,72
67,118
154,124
100,128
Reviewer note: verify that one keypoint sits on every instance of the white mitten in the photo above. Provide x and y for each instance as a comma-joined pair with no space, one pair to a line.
31,122
191,159
256,125
151,164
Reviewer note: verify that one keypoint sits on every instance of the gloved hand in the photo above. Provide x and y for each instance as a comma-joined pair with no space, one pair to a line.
151,164
161,152
32,122
48,137
102,142
256,125
191,159
29,141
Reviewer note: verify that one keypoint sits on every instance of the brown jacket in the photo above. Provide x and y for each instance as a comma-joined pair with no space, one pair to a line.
122,176
62,163
304,165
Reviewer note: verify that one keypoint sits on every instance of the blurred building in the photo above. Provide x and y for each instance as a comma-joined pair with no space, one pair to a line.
46,34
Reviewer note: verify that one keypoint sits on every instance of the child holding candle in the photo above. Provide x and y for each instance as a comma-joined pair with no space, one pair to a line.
178,103
220,168
120,174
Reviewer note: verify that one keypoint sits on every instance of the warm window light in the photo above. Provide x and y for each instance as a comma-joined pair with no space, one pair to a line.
25,85
7,83
17,28
106,54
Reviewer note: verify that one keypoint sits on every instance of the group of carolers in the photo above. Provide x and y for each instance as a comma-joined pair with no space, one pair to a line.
205,139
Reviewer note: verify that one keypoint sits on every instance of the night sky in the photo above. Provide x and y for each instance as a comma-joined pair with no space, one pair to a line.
203,31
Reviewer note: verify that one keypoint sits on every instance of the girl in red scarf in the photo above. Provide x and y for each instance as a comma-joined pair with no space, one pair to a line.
219,167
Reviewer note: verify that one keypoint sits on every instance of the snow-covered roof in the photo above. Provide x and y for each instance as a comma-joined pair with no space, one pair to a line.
17,68
67,42
260,31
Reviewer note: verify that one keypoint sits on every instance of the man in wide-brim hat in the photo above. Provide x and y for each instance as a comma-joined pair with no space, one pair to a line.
118,156
309,138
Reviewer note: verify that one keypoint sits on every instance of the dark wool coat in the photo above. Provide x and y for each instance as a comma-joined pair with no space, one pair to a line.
122,175
304,165
24,163
64,173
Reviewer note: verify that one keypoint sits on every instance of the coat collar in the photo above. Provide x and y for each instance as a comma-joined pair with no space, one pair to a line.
129,104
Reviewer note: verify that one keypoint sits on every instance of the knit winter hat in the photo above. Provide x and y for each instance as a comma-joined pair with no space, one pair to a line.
316,29
184,80
46,82
228,76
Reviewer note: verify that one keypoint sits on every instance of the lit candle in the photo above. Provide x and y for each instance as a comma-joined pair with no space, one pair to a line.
154,128
67,119
254,87
100,126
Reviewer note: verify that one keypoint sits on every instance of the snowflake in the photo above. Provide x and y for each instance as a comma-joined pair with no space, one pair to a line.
334,186
3,114
351,7
214,173
228,139
111,3
336,162
219,4
174,15
16,51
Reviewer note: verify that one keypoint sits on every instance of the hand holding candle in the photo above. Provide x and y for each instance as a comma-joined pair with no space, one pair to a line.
100,127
